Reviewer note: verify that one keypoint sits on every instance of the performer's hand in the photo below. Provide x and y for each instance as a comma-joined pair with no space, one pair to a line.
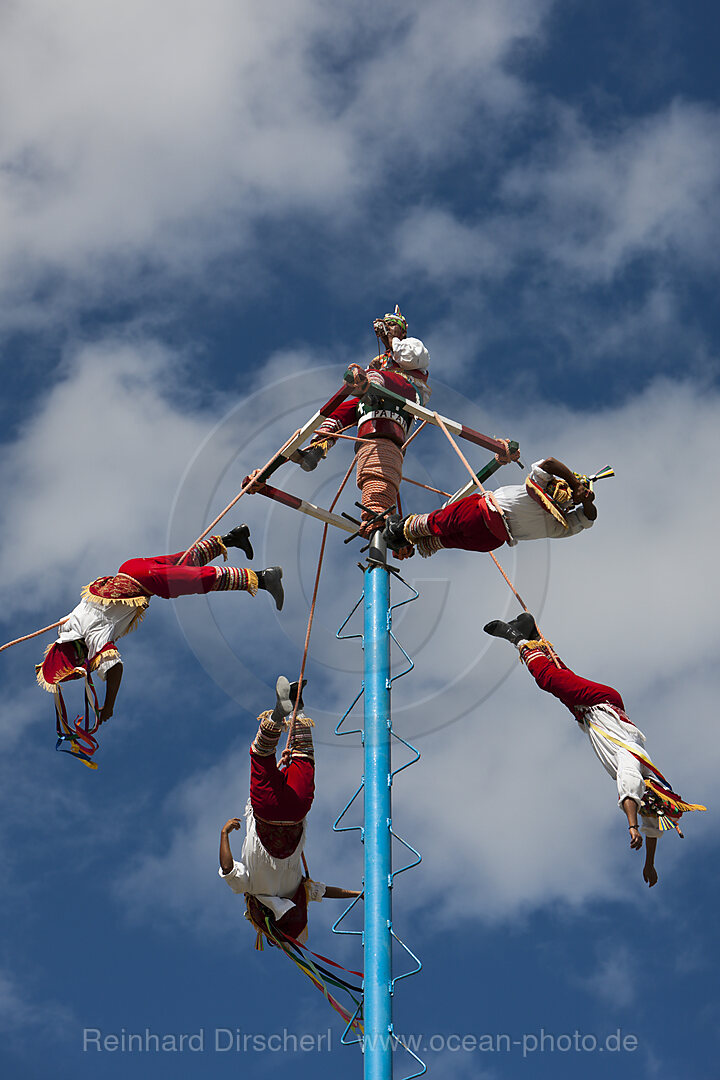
650,875
231,825
254,488
356,379
505,456
404,553
635,838
581,493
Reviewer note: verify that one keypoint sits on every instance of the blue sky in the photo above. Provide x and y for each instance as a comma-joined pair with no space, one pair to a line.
202,212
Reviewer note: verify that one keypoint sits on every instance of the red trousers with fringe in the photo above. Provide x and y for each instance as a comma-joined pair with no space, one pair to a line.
281,794
160,576
469,524
574,691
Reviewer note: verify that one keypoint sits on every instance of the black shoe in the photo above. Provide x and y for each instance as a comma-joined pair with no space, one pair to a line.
525,625
498,628
271,581
310,458
239,537
294,694
394,534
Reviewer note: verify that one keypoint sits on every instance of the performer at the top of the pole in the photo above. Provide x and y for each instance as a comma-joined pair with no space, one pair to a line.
113,606
617,742
271,873
553,502
403,368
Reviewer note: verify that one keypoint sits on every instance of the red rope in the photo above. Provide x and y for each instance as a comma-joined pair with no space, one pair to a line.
407,480
413,436
287,752
243,489
35,633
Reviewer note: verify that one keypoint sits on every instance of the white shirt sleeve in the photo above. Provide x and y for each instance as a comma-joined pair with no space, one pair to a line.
237,879
315,890
539,475
410,353
630,783
578,520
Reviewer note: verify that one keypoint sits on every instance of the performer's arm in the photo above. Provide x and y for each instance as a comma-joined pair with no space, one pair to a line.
226,856
649,872
587,501
581,494
630,807
335,893
112,685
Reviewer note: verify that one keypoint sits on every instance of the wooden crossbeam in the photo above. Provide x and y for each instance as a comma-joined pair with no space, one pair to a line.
305,507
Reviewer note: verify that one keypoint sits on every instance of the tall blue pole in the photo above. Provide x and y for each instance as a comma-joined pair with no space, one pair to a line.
378,813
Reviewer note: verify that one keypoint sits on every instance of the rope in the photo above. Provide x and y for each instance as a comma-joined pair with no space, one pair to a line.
477,482
407,480
379,472
230,505
350,438
413,436
35,633
287,752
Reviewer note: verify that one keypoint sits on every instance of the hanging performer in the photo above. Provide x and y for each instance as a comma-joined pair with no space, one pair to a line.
402,367
620,746
271,874
113,606
553,502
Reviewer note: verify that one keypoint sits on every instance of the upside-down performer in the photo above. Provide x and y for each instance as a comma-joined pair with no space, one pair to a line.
112,607
403,368
271,873
553,502
620,746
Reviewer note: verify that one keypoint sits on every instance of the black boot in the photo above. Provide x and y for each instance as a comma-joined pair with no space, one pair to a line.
309,459
525,625
239,537
498,628
394,534
271,581
294,694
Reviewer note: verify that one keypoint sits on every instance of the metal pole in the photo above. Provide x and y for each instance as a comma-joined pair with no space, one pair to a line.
378,813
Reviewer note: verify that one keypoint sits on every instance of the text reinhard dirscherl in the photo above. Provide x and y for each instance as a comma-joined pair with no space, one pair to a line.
221,1040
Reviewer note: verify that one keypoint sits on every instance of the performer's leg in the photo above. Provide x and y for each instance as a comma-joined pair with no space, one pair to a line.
573,690
280,794
161,577
469,523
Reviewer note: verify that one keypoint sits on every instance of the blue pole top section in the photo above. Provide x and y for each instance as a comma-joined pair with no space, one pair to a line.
378,821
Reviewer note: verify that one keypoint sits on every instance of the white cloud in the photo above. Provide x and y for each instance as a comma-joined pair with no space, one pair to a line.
101,456
19,1010
136,137
586,202
615,979
604,199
